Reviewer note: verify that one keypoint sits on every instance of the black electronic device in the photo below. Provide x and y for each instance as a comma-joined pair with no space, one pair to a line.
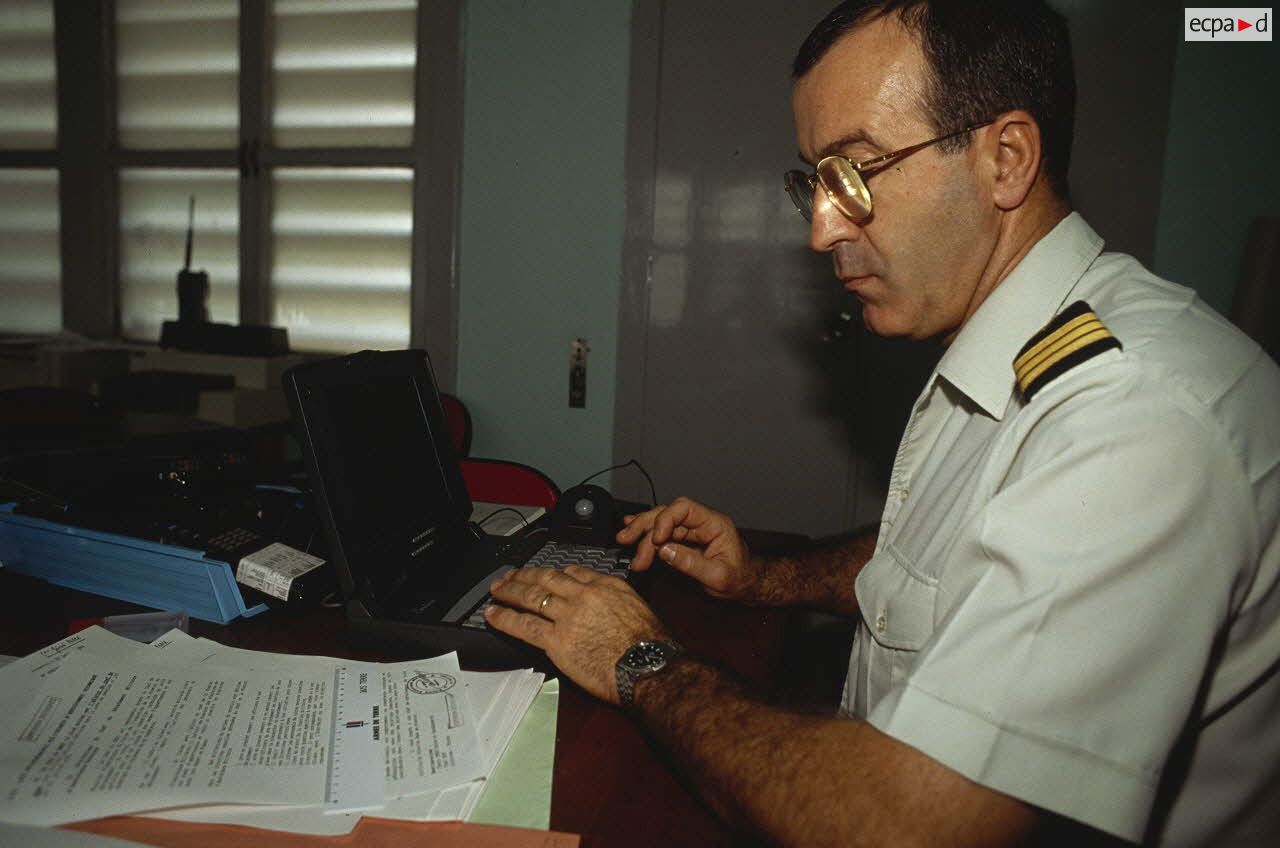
194,331
230,339
415,572
193,286
187,502
586,515
219,490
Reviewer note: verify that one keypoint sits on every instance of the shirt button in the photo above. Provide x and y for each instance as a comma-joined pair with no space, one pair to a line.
881,623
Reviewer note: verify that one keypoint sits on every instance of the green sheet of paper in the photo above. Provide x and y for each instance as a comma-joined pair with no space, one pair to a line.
518,793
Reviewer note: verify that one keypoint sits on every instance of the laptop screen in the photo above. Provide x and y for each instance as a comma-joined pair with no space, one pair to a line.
380,453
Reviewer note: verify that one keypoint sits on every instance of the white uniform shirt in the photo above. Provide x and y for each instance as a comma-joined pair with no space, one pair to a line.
1066,589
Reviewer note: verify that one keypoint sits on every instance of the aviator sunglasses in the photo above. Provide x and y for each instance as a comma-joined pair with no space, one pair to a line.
845,181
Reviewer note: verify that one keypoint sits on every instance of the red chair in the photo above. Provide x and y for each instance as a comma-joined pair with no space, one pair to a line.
501,482
458,420
494,480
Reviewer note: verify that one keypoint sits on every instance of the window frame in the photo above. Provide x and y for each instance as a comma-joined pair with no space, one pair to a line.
89,160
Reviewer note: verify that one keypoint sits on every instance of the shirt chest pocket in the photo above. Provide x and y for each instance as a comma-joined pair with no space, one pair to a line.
897,605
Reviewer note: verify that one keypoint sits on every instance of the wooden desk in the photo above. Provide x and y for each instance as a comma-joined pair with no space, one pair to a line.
610,784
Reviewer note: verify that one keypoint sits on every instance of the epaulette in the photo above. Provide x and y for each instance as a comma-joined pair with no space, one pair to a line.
1075,335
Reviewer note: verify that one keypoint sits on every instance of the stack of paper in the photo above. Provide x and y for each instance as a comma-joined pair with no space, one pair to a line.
189,728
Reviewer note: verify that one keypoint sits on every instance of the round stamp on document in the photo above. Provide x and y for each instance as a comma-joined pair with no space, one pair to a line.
431,683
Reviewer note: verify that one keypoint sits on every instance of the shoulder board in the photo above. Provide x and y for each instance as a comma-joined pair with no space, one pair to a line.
1075,335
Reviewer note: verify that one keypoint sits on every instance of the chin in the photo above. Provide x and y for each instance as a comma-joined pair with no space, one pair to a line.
884,322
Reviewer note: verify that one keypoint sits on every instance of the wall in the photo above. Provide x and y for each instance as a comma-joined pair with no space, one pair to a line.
1124,56
1220,163
542,224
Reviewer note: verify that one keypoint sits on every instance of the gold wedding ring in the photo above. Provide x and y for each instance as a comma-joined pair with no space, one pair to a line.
542,606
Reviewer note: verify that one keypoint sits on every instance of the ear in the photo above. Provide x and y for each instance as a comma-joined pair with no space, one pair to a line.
1017,158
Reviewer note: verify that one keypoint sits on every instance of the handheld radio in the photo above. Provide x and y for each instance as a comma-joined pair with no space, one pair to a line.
193,286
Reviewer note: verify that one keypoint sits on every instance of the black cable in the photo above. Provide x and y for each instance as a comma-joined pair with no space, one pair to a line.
653,495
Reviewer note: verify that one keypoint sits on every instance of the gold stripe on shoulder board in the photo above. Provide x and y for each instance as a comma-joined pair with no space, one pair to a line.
1075,335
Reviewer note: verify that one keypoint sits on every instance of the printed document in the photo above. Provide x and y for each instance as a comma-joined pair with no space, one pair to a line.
499,699
426,727
100,738
103,726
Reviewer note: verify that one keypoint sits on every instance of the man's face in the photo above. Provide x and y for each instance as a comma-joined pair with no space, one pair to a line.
916,262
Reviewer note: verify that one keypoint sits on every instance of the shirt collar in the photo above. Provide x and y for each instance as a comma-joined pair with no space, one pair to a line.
979,362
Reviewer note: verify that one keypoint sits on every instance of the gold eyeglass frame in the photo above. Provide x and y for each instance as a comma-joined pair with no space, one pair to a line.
853,197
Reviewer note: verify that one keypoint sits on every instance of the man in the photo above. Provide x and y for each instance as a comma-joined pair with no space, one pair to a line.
1068,625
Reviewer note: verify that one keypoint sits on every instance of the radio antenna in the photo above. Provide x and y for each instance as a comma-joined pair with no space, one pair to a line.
191,225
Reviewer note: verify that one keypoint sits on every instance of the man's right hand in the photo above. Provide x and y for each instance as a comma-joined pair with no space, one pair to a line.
698,541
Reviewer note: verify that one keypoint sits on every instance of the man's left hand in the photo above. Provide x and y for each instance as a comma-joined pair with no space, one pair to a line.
584,620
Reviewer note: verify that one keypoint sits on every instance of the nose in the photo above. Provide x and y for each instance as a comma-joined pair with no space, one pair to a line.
829,226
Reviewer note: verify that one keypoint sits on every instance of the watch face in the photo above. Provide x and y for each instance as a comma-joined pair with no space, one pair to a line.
641,660
645,656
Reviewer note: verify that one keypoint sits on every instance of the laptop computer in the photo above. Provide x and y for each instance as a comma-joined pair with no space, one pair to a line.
413,569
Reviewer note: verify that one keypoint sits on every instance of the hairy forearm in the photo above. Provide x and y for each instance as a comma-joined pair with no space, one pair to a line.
806,779
746,758
821,577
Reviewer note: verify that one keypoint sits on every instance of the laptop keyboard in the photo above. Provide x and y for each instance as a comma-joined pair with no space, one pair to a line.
558,555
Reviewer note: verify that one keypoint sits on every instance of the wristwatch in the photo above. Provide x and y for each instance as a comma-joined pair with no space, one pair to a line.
643,659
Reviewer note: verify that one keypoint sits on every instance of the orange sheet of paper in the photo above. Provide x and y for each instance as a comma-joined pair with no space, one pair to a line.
369,832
